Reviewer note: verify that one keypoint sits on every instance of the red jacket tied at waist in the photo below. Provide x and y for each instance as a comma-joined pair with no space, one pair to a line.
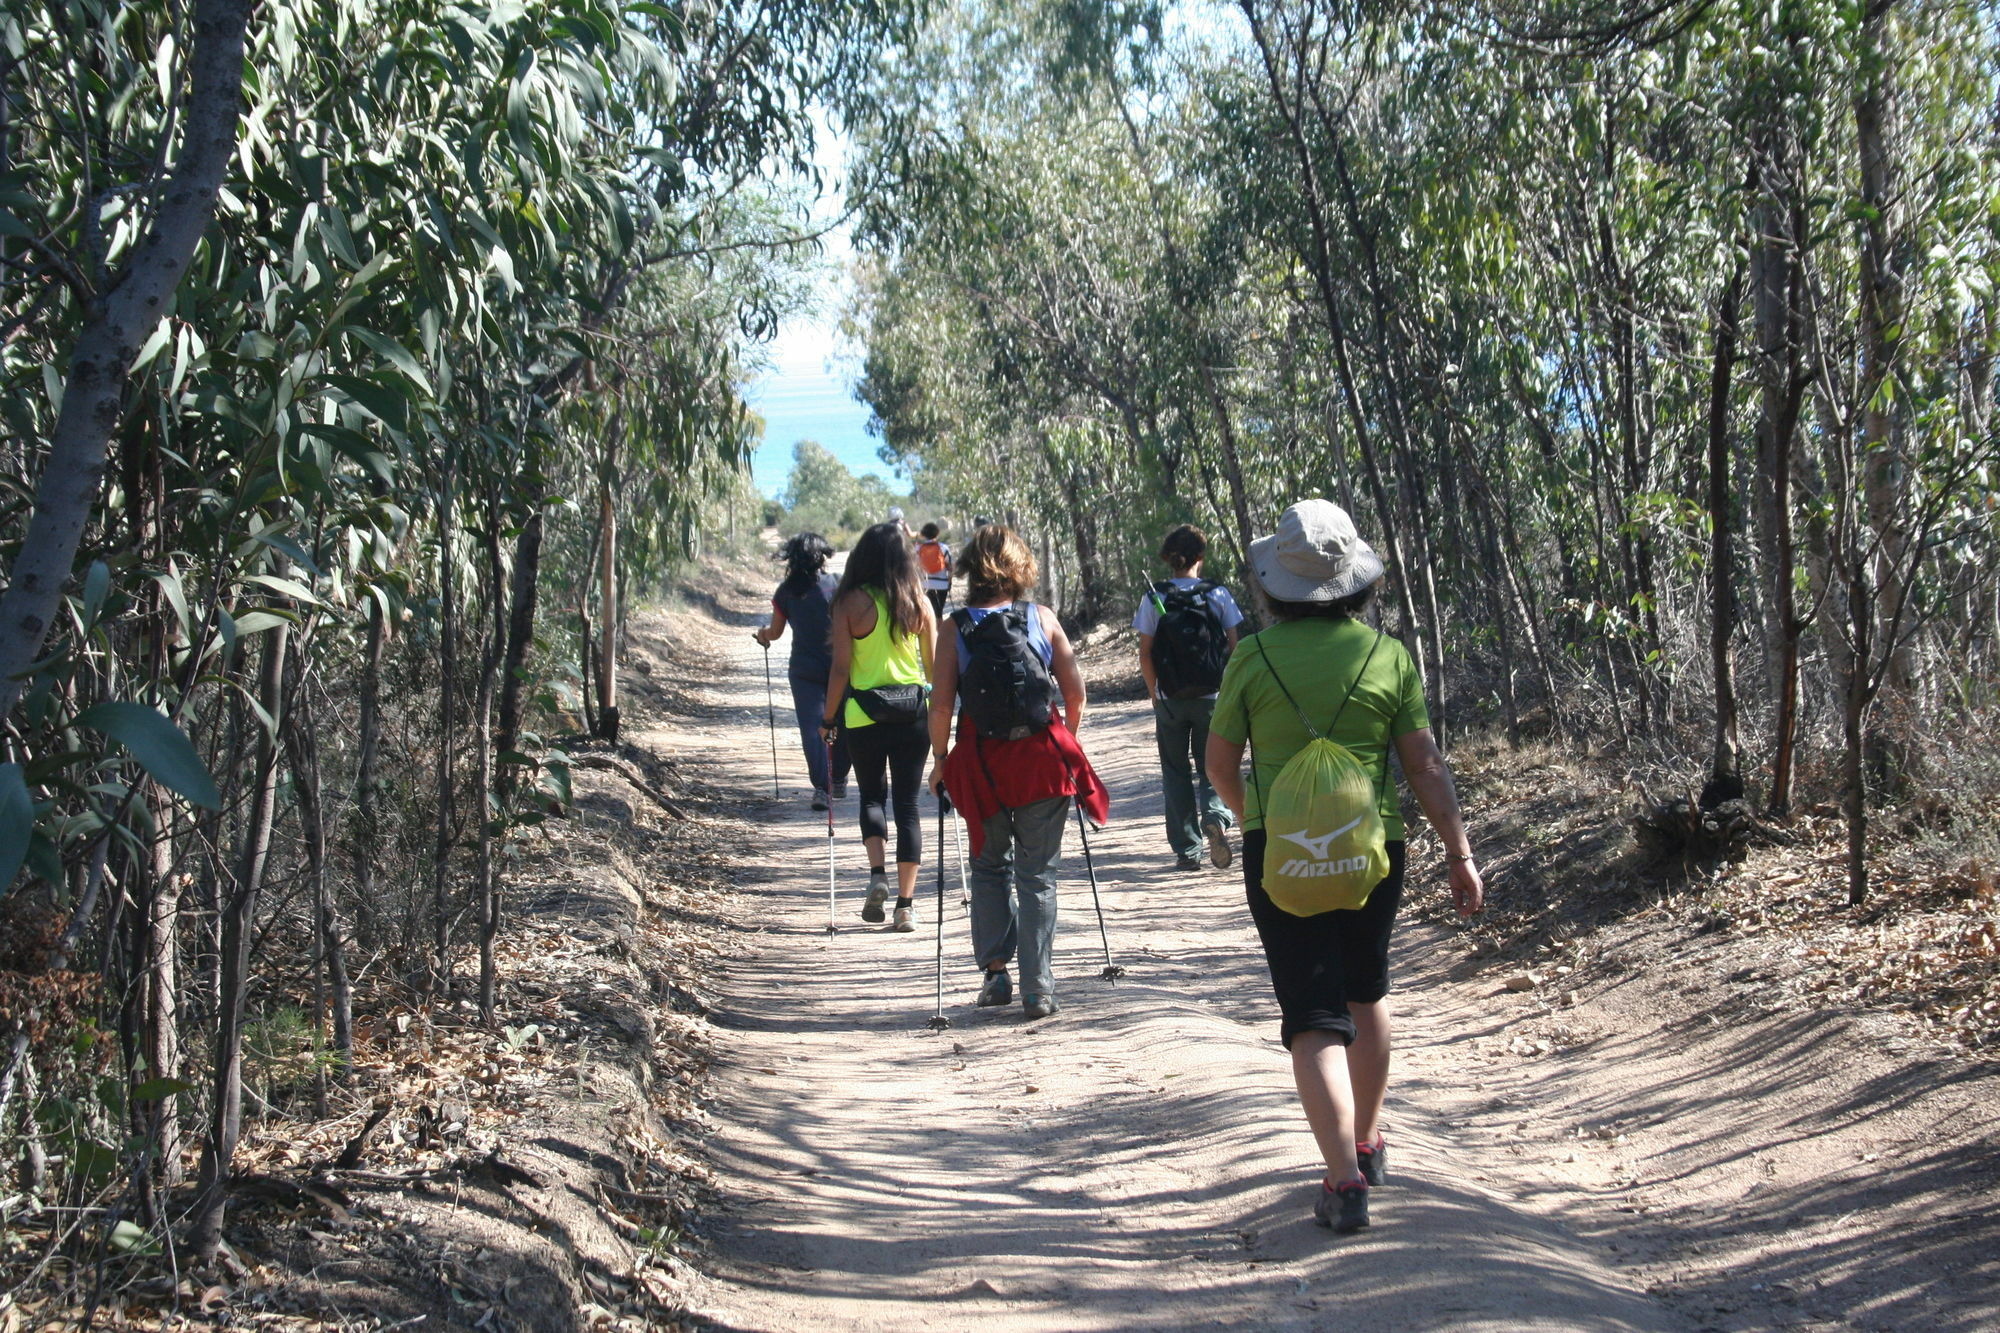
984,777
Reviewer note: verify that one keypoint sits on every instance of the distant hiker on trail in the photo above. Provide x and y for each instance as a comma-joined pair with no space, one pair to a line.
1187,629
1016,764
803,603
1321,675
934,558
900,523
882,635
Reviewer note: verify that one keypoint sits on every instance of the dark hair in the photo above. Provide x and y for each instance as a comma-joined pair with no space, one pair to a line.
803,557
1184,547
996,563
930,531
881,559
1346,608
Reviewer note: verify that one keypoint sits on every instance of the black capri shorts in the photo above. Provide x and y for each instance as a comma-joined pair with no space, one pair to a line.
1321,964
889,769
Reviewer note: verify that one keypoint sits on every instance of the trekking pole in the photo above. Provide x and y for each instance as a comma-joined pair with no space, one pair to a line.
771,711
827,742
964,884
1111,970
939,1021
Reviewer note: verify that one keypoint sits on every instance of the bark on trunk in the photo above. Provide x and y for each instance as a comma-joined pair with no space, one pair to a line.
114,329
1726,758
239,910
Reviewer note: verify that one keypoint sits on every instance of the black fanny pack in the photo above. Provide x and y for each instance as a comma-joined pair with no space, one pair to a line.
893,703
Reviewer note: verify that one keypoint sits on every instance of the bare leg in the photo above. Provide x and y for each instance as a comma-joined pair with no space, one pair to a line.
906,878
1319,1067
1368,1066
875,852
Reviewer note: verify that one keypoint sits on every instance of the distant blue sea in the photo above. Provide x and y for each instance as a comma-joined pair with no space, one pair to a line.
804,398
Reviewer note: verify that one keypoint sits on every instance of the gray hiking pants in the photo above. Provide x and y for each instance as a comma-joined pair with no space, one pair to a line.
1014,890
1180,726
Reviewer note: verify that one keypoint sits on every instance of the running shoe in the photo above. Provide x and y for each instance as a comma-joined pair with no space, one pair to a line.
1187,861
1218,843
998,990
906,916
840,791
878,894
1344,1207
1038,1006
1374,1159
819,800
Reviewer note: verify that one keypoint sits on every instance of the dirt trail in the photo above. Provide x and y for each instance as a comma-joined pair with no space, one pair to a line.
1135,1162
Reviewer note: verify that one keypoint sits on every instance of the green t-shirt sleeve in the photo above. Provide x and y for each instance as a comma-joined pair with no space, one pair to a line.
1411,712
1231,720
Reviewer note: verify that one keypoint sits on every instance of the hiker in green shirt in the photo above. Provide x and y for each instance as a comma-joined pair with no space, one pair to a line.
1361,691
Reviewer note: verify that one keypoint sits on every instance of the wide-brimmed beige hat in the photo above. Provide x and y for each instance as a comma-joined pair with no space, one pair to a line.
1315,556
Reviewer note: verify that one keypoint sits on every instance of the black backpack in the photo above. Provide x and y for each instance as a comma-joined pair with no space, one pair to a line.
1006,688
1190,645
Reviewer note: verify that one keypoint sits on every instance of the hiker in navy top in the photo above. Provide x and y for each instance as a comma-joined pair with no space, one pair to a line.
802,602
1187,629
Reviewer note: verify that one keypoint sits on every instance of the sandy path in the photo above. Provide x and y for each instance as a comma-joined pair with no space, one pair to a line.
1135,1162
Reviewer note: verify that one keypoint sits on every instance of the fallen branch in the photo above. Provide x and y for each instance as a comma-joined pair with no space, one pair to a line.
613,764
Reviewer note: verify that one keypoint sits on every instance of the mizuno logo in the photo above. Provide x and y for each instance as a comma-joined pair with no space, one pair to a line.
1318,846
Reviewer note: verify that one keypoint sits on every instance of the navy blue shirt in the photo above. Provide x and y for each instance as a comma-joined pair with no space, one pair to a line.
808,611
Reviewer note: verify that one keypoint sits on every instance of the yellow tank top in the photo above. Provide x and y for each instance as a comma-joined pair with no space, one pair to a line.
885,657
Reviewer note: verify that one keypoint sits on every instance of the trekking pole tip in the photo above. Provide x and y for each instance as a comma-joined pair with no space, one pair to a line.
1112,972
939,1023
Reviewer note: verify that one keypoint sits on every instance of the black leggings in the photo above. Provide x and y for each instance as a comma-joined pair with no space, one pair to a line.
890,756
1321,964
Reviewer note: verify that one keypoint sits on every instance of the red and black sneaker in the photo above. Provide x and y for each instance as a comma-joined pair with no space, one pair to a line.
1344,1207
1374,1160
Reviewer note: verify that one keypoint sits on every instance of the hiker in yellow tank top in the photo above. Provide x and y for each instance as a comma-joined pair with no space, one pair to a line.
882,657
882,634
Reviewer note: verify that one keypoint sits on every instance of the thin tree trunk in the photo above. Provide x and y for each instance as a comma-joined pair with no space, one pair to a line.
607,592
1726,760
439,982
365,848
336,1005
239,911
489,872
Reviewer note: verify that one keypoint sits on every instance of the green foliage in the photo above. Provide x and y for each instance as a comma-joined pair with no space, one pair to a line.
823,496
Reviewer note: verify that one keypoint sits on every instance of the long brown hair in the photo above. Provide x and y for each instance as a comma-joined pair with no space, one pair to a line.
881,559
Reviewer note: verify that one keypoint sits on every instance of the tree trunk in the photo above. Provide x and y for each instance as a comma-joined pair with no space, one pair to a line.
1726,759
489,664
337,1005
439,981
607,626
364,850
114,328
239,910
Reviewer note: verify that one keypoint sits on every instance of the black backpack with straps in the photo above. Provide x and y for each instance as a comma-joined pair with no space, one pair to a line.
1190,645
1006,688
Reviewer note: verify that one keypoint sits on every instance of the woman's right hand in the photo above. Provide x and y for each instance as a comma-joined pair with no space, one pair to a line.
762,634
1468,889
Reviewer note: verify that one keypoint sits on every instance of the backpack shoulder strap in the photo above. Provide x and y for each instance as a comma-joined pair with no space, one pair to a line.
1304,721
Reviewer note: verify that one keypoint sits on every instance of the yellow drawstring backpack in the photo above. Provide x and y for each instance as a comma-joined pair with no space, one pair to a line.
1325,849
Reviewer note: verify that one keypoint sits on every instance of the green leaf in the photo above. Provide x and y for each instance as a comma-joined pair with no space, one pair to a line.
159,1089
161,748
95,585
395,354
17,823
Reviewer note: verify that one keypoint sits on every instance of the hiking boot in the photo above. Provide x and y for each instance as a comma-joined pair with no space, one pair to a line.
998,990
1374,1159
1218,843
1344,1207
1038,1006
878,894
906,916
819,801
840,791
1187,861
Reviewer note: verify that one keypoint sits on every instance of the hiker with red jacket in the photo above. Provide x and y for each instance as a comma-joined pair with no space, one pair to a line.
1187,629
1016,764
